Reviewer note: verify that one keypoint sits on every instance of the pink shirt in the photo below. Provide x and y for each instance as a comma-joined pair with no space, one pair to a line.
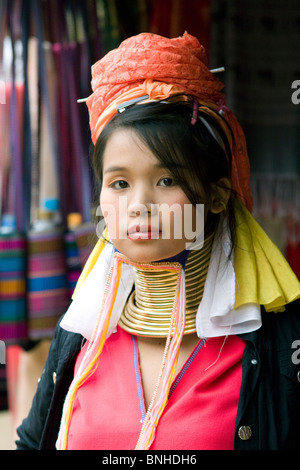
200,413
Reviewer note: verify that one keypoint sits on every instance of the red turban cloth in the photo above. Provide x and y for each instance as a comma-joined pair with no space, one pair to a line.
149,64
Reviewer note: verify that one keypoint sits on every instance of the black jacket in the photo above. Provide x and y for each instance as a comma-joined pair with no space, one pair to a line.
268,414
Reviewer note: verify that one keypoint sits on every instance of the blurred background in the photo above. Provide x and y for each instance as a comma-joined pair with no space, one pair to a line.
47,191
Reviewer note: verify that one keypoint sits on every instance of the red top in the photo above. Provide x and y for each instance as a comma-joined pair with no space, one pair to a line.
200,413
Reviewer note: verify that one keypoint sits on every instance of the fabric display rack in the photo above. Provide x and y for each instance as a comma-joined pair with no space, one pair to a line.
45,173
48,49
48,197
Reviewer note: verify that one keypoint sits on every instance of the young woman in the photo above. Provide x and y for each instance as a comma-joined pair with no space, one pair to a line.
172,340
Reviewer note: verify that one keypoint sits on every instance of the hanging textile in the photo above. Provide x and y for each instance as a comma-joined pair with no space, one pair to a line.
79,241
73,261
46,53
171,18
12,287
47,283
12,239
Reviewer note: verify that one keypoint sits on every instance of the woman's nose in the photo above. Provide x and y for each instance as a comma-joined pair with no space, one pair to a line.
139,209
140,204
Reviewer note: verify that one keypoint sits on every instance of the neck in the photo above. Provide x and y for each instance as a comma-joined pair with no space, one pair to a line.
149,308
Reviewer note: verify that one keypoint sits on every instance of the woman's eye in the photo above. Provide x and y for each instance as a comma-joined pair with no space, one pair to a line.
121,184
166,182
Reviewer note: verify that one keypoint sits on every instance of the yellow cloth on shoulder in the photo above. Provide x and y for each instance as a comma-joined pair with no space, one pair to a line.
263,276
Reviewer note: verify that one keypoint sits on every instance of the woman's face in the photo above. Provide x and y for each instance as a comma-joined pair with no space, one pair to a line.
147,214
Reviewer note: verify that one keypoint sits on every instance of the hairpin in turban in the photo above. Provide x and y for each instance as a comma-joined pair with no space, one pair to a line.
151,66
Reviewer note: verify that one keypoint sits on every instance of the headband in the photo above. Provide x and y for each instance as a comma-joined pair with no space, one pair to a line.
151,67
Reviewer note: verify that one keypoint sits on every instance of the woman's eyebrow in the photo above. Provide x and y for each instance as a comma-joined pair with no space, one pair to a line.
113,169
158,165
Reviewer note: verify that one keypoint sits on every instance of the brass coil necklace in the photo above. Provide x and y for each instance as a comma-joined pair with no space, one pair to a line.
149,307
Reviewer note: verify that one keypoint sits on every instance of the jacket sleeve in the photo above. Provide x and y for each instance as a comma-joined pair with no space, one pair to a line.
31,429
39,430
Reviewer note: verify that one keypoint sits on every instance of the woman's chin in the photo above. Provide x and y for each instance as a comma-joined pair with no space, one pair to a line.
149,251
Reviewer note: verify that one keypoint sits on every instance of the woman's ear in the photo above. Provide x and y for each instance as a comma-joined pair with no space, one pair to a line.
220,195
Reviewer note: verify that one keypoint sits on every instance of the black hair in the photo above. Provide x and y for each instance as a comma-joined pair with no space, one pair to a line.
193,156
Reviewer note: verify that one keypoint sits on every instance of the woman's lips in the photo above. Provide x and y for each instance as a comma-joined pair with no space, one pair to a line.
143,232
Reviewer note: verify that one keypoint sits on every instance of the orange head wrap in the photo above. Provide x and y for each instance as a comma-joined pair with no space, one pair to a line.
149,64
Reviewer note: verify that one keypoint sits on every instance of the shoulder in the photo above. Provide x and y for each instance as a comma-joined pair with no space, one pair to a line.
279,331
284,327
65,342
63,352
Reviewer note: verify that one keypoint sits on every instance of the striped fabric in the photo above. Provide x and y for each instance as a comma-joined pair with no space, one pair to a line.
86,239
79,244
48,295
72,260
38,274
12,287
